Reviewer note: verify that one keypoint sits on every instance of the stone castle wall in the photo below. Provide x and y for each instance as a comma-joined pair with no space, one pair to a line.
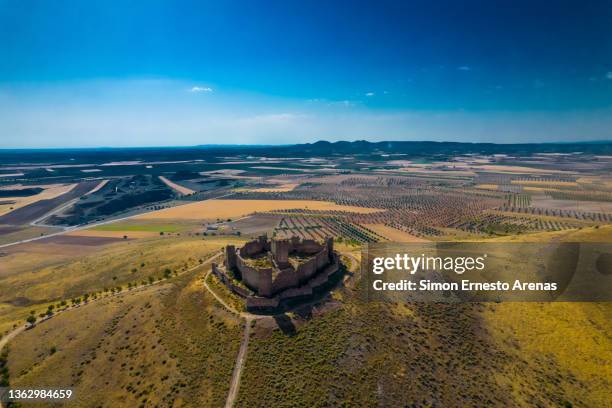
271,304
307,246
261,280
228,282
285,279
255,247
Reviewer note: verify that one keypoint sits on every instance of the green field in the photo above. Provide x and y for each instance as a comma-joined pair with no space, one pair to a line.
140,227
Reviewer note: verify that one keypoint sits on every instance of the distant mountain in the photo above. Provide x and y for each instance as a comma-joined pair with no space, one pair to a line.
320,148
445,148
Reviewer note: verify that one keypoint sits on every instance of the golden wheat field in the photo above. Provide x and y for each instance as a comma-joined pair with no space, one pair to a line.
393,234
213,209
50,191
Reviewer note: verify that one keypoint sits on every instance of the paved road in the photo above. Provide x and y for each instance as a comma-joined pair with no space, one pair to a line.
39,221
86,226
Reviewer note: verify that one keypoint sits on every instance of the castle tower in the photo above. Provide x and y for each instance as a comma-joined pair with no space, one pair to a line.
280,251
329,243
263,239
230,260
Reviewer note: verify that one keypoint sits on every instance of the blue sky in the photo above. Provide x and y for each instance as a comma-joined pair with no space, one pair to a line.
133,73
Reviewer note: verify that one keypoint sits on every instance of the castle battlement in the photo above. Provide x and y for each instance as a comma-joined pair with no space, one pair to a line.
268,271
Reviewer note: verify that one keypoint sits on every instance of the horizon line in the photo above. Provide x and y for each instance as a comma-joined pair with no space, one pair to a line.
247,145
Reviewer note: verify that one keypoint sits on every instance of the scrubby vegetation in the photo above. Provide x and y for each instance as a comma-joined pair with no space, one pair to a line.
126,350
405,355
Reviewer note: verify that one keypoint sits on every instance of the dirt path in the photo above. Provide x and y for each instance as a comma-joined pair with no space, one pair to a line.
242,353
212,292
4,340
240,359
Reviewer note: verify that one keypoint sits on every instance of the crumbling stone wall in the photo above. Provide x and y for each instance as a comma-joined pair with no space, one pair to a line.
285,279
255,247
228,282
322,258
266,281
280,251
259,280
307,269
288,283
307,246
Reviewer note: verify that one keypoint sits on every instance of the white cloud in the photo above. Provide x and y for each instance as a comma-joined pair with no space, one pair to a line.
142,113
370,94
464,68
199,89
343,103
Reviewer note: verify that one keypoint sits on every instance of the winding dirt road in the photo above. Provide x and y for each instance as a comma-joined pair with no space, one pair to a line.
244,345
235,383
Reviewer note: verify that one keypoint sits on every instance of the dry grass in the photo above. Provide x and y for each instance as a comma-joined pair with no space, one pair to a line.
538,183
213,209
113,234
25,233
587,234
384,354
127,350
487,186
280,189
97,188
393,234
47,273
575,205
574,336
134,229
539,189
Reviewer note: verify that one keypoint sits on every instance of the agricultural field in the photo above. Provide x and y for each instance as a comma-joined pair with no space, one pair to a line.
443,196
322,226
223,209
39,208
116,196
177,187
110,253
13,197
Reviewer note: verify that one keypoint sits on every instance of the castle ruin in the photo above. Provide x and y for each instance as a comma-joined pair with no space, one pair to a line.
269,273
